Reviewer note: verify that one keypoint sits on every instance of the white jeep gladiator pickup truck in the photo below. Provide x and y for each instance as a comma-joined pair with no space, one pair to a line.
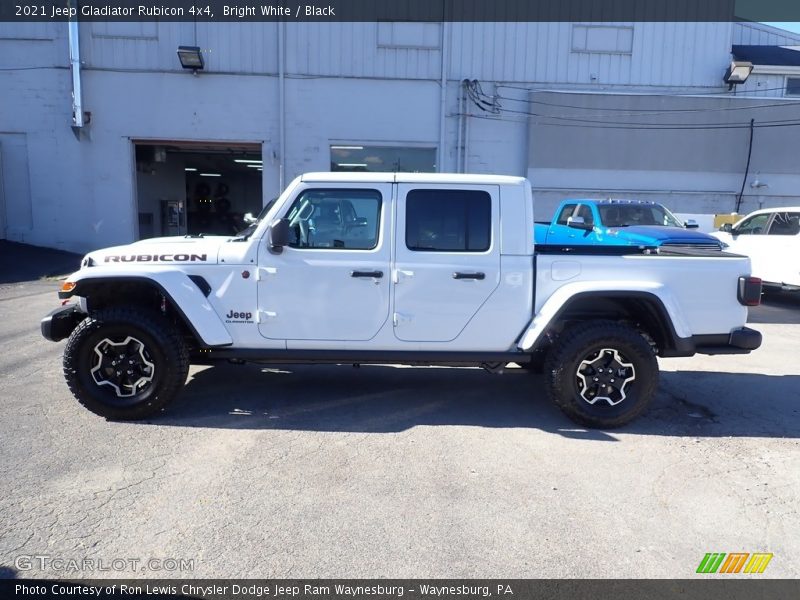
398,268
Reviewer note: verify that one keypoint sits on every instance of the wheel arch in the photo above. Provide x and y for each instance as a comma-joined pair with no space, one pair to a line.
184,295
647,309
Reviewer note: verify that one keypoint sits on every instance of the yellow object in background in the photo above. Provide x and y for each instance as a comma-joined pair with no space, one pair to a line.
720,220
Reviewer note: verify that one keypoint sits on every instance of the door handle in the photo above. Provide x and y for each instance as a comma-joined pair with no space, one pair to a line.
375,274
479,275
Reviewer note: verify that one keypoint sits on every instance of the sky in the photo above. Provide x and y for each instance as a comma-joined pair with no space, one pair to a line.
795,27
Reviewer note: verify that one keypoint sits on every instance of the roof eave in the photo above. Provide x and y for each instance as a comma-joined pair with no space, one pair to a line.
776,70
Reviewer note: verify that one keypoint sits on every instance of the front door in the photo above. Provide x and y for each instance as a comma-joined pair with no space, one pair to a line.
447,258
333,281
747,238
776,258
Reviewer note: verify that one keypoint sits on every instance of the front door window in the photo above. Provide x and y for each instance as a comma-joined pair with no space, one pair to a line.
753,226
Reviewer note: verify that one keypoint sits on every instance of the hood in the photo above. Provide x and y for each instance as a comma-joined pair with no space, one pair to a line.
160,251
658,235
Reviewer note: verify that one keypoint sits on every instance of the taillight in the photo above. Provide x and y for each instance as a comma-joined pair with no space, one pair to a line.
749,292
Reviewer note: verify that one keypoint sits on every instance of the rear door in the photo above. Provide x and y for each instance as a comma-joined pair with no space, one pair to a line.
447,258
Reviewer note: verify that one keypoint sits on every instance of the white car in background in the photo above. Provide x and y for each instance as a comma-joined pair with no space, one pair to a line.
771,238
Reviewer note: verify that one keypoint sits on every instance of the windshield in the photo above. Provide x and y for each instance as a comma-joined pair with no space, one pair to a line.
625,215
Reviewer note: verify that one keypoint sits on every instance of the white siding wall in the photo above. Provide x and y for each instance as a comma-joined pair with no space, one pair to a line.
620,54
763,86
33,44
353,50
248,48
662,54
359,82
756,34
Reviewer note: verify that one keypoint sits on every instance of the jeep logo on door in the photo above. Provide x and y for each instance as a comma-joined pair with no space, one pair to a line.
238,317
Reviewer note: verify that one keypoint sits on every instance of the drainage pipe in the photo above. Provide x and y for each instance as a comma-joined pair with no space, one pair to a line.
281,105
443,98
75,67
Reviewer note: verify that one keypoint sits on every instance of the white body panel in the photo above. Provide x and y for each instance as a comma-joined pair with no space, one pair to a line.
774,249
699,295
311,293
307,297
199,310
163,250
430,303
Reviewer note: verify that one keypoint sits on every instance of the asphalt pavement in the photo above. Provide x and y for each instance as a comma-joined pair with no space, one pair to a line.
388,471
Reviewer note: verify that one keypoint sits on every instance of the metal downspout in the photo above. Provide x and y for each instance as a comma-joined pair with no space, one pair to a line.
443,98
467,115
75,67
460,127
281,105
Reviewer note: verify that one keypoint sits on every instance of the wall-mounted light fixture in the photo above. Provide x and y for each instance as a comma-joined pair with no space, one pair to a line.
737,73
191,58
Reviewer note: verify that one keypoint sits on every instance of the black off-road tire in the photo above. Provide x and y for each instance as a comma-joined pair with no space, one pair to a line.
160,342
583,342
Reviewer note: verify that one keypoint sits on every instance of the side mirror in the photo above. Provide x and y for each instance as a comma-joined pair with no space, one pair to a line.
279,233
727,228
249,218
691,224
578,223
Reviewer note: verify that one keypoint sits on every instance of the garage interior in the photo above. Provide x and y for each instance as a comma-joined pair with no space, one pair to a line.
192,188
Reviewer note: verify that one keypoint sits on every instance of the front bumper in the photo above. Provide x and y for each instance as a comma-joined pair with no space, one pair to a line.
57,325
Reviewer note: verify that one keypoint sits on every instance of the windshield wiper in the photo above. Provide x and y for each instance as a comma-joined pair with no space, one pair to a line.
245,233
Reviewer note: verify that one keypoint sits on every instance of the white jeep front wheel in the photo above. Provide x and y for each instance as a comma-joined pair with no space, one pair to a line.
125,363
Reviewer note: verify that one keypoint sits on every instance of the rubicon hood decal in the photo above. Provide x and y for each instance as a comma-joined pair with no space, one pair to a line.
156,258
162,251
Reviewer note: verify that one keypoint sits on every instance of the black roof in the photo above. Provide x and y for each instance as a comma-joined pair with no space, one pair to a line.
768,55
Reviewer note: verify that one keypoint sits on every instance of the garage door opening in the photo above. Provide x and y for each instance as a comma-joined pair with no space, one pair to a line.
196,188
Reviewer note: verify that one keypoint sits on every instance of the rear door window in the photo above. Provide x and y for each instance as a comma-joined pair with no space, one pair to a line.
448,220
785,223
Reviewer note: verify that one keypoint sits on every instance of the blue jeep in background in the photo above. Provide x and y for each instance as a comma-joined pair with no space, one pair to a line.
619,223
